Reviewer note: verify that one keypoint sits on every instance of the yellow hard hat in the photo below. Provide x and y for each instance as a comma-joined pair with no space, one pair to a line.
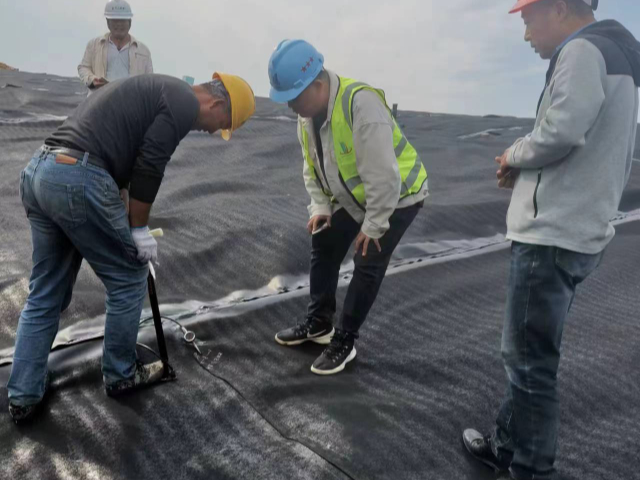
243,102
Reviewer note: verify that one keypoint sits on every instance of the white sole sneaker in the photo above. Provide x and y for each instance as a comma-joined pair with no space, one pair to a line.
339,368
323,340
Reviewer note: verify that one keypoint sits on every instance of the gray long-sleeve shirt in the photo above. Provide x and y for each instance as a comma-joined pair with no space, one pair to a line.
576,162
134,125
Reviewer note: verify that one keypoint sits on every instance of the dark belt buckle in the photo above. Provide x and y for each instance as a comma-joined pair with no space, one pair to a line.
66,159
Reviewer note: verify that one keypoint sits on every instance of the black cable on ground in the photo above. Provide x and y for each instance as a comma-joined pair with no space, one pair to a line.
248,402
162,317
228,383
147,347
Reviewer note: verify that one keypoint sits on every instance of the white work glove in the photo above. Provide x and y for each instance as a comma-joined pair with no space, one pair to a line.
146,245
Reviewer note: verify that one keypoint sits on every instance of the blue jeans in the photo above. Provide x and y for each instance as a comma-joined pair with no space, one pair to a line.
542,286
75,212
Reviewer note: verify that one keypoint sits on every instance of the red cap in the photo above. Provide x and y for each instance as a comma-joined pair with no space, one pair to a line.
521,4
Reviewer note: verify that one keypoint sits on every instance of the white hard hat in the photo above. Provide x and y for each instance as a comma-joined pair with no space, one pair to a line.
118,10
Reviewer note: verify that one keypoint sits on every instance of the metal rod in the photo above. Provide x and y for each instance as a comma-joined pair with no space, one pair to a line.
157,321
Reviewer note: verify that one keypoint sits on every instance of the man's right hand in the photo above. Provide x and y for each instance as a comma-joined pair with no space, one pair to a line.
317,221
99,82
146,245
507,178
506,175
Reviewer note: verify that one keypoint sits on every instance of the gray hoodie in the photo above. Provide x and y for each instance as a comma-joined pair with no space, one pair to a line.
576,162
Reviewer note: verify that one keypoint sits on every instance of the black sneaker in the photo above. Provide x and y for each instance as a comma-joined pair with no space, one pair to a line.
340,351
144,375
312,330
480,448
22,414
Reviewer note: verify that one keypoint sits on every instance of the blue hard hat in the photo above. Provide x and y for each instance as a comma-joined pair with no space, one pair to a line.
292,67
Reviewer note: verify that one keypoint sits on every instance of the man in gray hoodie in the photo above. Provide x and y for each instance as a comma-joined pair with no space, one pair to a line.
567,177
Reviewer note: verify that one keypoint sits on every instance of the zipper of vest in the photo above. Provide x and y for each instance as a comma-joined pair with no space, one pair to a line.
344,185
349,191
320,154
321,162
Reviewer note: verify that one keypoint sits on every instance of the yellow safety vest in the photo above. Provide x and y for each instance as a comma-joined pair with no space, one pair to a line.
412,171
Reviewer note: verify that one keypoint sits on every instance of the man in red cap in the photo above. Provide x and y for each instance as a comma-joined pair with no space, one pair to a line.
567,177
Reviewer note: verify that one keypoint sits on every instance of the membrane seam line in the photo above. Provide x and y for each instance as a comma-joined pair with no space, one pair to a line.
407,264
255,409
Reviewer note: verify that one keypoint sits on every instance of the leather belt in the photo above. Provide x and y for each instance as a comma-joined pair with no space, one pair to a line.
69,156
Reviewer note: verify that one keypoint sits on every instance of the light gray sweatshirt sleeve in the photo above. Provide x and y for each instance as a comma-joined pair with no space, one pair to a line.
577,94
320,203
376,161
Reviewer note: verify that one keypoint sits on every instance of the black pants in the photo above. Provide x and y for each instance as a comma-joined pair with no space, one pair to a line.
328,249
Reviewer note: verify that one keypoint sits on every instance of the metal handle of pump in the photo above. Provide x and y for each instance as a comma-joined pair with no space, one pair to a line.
169,373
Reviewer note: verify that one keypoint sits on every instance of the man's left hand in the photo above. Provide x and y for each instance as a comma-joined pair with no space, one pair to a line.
506,174
363,240
502,160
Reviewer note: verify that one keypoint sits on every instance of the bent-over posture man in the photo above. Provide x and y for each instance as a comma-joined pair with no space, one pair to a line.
120,137
366,183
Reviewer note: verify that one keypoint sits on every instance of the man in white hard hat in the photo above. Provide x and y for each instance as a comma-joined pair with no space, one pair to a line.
69,190
567,177
116,54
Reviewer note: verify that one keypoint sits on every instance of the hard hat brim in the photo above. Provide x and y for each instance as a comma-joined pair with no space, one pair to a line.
119,17
521,4
284,96
243,102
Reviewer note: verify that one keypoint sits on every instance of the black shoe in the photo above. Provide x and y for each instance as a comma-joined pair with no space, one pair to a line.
312,330
480,448
144,375
340,351
22,414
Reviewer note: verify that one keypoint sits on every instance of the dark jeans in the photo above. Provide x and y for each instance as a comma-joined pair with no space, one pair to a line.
542,286
328,250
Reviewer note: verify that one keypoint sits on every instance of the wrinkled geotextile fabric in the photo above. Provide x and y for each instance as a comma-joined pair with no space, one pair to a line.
428,362
429,365
196,427
234,213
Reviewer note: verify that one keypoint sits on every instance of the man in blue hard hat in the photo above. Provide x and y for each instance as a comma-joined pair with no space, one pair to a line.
366,183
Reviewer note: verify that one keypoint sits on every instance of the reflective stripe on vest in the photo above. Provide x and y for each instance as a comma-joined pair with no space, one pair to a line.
308,158
412,171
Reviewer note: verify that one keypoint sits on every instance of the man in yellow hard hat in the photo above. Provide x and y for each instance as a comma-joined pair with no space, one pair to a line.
366,183
567,176
122,136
